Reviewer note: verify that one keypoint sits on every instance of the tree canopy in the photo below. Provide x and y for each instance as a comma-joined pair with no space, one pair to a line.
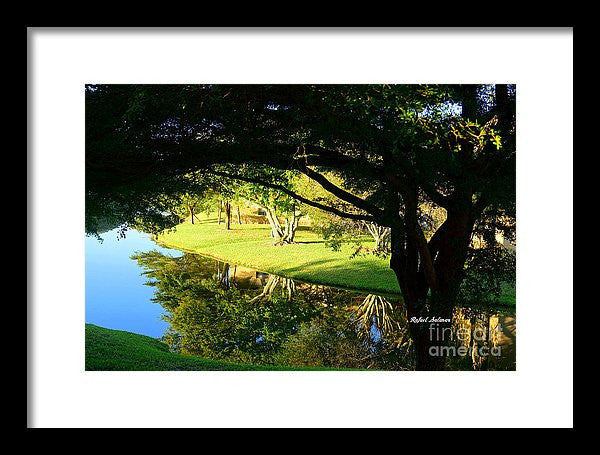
382,151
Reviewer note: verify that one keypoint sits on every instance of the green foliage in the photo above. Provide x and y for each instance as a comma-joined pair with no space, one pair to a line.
213,321
334,234
142,206
352,337
489,277
319,344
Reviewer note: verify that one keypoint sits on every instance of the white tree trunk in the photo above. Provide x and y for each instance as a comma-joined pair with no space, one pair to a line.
287,285
381,235
282,234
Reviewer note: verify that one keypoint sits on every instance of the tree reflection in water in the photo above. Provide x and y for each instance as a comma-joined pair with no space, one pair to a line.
225,311
273,281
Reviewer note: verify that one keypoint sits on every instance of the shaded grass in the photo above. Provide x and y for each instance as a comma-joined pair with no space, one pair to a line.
111,350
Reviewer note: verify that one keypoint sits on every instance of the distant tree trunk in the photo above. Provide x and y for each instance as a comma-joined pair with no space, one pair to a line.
227,215
239,218
191,208
219,212
381,235
282,234
291,224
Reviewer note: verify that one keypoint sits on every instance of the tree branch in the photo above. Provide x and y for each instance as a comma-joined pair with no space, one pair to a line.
353,216
341,193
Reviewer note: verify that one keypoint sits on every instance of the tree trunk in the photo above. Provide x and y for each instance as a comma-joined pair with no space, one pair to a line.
276,229
429,338
239,218
282,234
227,215
219,212
291,224
430,287
192,213
381,236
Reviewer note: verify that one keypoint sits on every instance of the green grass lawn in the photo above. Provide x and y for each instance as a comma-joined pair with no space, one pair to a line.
107,349
307,260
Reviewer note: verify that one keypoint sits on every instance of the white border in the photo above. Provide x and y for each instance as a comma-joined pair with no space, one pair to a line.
539,393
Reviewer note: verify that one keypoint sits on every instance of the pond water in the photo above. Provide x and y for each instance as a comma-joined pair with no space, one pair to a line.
202,306
115,295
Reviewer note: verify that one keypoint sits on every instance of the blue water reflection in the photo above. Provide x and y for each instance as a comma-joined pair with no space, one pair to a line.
115,296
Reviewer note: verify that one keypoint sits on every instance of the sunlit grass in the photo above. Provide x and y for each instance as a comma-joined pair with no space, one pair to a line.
307,260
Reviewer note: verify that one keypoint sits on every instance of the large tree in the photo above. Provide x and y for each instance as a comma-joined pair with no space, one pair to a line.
282,211
400,145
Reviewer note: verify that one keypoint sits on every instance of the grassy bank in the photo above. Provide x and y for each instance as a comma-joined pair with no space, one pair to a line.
308,260
109,350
